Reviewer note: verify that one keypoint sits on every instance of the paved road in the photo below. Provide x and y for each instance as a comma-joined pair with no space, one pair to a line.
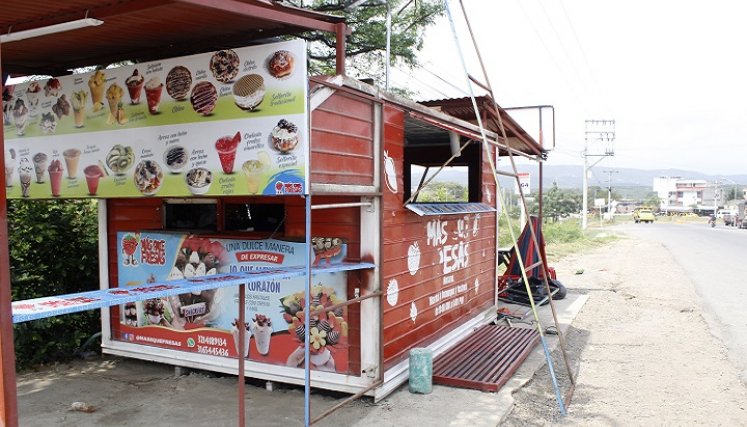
716,261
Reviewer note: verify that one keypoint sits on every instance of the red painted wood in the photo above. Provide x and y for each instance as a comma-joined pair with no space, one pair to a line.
342,141
402,229
486,359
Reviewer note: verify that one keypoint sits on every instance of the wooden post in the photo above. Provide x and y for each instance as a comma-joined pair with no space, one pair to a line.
8,404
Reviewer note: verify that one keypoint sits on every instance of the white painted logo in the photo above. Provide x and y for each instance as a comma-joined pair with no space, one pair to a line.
391,172
413,258
413,312
392,292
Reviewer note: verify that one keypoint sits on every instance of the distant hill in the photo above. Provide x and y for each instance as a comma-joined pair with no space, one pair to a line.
569,176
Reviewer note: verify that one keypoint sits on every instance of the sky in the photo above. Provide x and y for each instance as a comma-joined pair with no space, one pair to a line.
670,73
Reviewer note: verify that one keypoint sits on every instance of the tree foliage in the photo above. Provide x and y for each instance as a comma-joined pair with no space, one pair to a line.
443,192
53,250
366,44
559,203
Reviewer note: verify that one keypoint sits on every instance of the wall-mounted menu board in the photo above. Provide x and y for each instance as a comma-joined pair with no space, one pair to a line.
228,122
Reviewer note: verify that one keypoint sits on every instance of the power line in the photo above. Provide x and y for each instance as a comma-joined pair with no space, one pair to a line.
590,70
551,56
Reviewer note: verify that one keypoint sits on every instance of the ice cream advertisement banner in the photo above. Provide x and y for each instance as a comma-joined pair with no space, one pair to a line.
229,122
206,322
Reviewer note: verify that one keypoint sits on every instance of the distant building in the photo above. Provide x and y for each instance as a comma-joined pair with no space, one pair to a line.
682,195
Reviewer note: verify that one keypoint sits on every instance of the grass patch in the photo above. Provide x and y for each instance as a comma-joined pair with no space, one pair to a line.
561,238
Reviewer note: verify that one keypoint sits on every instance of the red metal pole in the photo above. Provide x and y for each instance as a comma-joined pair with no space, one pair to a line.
340,32
240,350
9,403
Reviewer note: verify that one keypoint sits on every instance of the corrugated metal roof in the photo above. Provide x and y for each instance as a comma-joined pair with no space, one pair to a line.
462,108
140,30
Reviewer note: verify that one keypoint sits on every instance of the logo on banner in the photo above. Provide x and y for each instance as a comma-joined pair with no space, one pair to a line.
130,243
288,187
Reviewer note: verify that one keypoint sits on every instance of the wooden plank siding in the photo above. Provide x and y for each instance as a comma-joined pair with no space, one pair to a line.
443,294
342,137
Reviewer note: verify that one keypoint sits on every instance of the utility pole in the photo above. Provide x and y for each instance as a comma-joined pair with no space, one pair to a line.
598,133
609,192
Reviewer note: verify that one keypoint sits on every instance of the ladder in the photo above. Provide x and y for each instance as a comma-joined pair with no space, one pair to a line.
494,112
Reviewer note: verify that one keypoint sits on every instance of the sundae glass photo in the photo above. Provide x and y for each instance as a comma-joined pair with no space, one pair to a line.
262,330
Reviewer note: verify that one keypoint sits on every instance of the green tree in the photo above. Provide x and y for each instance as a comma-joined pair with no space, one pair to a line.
366,45
53,251
443,192
652,201
559,203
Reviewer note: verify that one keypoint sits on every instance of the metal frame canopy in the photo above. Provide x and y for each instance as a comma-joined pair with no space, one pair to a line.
135,30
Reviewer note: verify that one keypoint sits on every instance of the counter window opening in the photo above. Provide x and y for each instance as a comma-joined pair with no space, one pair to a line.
427,149
205,215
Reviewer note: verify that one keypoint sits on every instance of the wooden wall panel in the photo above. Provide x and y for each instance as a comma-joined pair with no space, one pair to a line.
442,267
342,135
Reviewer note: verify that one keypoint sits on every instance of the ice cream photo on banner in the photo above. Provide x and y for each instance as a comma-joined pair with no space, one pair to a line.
197,257
328,330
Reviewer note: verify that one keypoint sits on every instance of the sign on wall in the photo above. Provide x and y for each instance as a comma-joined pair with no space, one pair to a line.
524,183
205,322
230,122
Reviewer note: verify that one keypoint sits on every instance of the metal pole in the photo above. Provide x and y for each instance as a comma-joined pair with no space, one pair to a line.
306,321
388,43
240,350
585,189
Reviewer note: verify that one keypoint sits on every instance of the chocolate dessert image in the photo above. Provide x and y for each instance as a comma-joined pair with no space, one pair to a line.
154,311
20,116
7,103
52,87
175,158
224,65
249,91
178,82
48,124
204,97
199,180
134,85
281,64
130,314
61,107
32,94
148,177
40,166
284,136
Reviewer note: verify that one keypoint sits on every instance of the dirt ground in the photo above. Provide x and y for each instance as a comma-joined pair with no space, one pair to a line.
640,345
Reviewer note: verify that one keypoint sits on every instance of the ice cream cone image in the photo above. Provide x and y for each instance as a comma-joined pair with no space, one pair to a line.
114,99
96,84
79,107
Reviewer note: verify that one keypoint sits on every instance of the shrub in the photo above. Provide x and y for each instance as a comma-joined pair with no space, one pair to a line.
53,250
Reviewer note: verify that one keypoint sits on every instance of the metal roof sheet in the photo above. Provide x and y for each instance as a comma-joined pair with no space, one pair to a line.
142,30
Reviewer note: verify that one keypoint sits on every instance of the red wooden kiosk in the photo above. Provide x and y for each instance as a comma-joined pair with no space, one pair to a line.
427,272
